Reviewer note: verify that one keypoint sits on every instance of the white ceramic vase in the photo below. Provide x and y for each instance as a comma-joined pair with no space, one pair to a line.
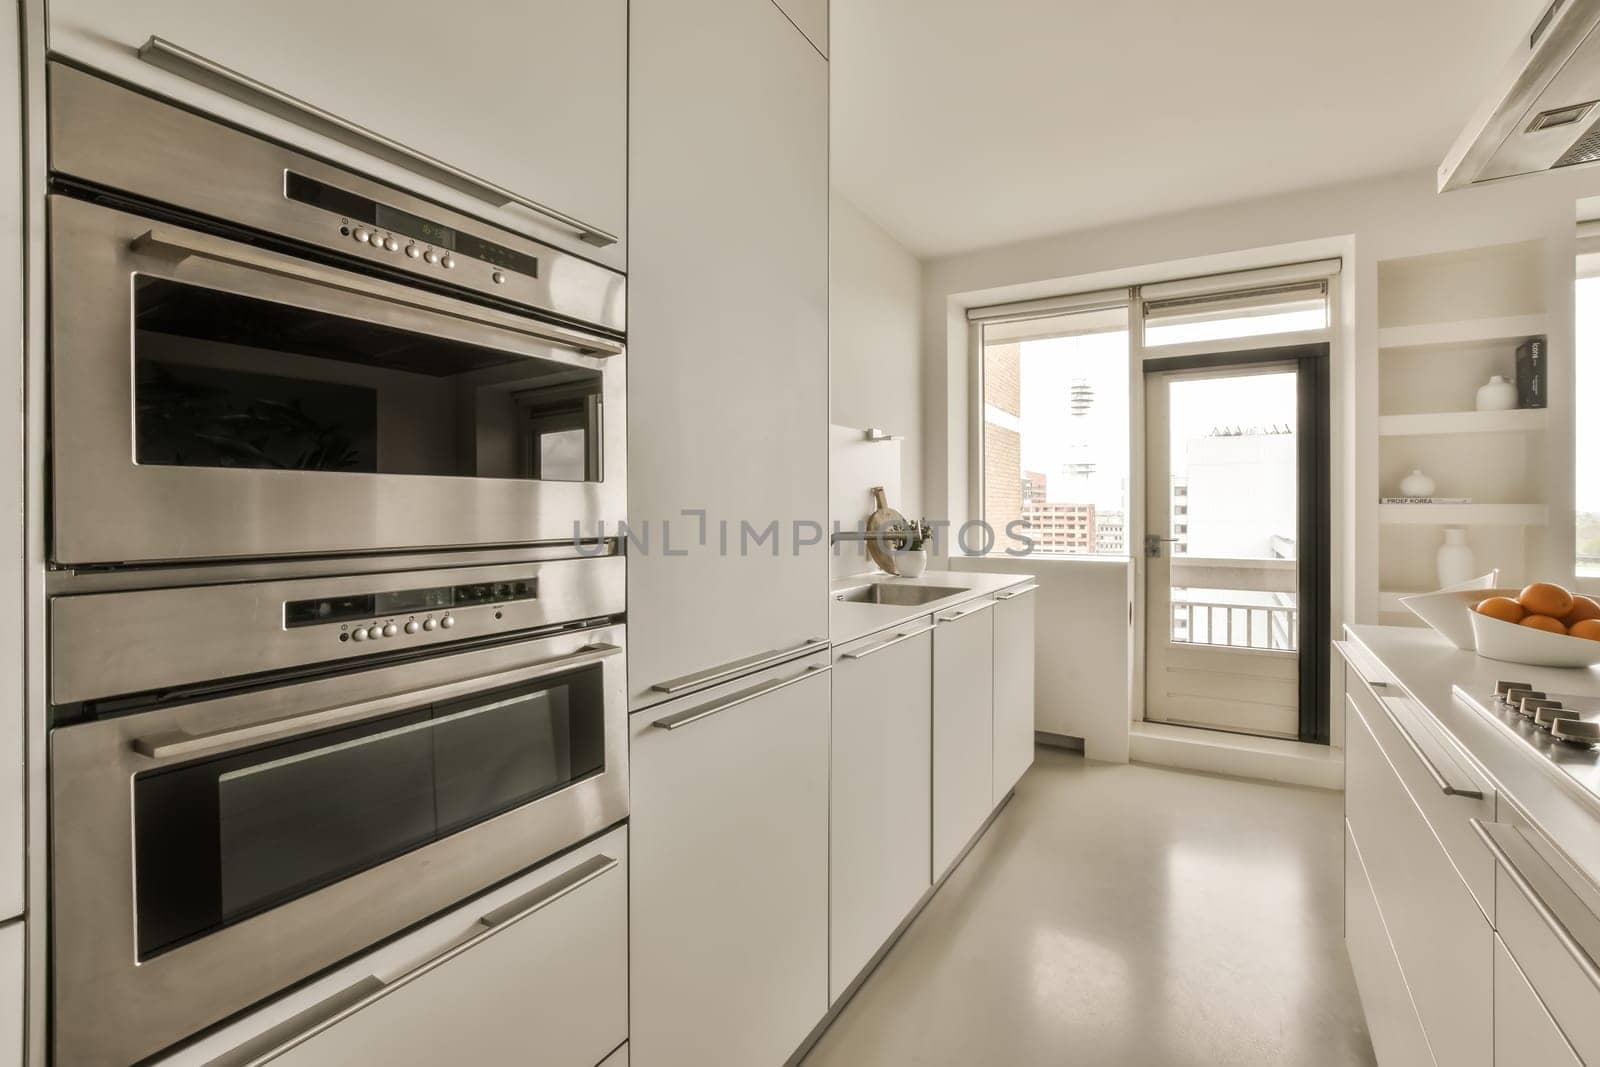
910,562
1455,560
1497,395
1417,484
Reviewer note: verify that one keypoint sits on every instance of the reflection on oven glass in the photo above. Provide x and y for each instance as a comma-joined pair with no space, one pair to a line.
229,381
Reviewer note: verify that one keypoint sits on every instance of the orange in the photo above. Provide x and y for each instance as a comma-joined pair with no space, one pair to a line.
1545,623
1582,608
1501,607
1587,628
1546,598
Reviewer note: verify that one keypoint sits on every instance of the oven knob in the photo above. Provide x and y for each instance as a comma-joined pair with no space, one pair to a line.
447,261
430,256
359,634
374,632
391,244
361,235
390,630
412,627
413,251
499,279
448,621
429,625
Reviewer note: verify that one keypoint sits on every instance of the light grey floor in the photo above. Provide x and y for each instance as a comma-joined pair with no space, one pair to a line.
1125,915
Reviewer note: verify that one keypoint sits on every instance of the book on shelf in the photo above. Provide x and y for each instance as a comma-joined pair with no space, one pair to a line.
1426,500
1531,373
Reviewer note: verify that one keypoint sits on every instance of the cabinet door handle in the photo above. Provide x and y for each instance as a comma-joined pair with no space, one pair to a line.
196,68
304,1025
693,715
863,653
1012,594
176,246
1422,757
700,679
1559,929
962,613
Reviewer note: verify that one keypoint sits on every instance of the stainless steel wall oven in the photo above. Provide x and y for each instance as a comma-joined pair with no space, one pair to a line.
256,354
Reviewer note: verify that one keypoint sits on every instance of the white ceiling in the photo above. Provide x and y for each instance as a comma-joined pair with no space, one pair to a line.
964,123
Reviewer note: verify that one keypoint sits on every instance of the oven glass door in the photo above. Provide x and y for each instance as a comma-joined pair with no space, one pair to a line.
226,838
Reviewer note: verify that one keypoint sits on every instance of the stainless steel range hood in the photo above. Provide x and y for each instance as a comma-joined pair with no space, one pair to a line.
1544,112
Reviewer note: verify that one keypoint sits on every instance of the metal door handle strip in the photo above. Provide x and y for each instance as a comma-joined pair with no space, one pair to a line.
964,612
693,715
196,68
738,666
880,646
178,744
181,247
346,1002
1579,954
1416,750
1012,594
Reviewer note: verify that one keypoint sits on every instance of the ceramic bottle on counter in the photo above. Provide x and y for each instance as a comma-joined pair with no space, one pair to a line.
1455,560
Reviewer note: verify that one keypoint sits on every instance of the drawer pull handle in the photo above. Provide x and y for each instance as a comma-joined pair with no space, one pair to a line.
213,75
1422,757
1579,954
700,679
301,1027
693,715
1012,594
880,646
962,613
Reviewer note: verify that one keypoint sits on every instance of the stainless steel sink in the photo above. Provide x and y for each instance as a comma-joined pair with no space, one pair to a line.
899,595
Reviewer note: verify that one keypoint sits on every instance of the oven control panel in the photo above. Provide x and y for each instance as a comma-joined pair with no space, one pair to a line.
376,617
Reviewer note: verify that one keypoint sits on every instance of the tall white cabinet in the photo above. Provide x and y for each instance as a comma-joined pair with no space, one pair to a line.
1013,687
728,338
963,728
530,98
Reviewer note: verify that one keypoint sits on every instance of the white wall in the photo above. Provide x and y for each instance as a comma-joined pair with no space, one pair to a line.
875,339
1364,222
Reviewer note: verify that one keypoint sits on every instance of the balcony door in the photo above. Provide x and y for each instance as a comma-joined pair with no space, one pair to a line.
1236,542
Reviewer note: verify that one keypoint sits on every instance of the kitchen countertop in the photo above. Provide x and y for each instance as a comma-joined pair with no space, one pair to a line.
1426,667
848,621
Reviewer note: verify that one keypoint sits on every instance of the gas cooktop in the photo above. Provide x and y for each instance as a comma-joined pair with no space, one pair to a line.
1561,727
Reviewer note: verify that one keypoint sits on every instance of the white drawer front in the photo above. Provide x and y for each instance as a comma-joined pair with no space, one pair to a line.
1428,767
11,985
1545,928
548,970
1442,939
1524,1032
1392,1021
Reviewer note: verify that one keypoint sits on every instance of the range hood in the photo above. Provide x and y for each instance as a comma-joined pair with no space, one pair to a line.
1544,112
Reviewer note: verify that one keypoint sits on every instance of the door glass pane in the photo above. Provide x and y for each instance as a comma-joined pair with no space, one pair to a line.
222,380
1234,512
223,839
1055,433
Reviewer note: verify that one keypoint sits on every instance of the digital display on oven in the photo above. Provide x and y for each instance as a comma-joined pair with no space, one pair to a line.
363,606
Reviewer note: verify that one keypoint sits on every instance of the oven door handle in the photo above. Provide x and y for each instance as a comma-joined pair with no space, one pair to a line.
196,68
178,247
181,745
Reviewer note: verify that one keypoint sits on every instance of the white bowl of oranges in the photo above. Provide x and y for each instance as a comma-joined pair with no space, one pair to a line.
1542,626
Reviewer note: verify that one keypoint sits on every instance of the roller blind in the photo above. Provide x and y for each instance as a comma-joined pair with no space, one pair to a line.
1103,299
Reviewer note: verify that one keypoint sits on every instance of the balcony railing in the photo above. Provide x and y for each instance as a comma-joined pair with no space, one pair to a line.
1235,603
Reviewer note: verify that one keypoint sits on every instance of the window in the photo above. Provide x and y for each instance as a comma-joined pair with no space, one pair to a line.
1586,433
1055,431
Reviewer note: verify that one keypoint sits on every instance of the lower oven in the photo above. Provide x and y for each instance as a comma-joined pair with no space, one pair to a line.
224,833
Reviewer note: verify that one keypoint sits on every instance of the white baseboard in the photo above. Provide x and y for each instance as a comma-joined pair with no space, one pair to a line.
1265,758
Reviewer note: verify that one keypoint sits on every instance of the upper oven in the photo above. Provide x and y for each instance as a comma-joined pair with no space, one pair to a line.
255,354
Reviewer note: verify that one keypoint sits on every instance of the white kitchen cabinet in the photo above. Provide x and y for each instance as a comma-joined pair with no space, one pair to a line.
963,728
618,1058
1524,1033
1013,687
13,717
729,894
1392,1023
1442,940
531,97
810,17
12,1001
728,338
880,816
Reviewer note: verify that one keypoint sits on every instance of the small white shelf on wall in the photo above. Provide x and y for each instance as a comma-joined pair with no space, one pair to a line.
1464,331
1462,514
1438,423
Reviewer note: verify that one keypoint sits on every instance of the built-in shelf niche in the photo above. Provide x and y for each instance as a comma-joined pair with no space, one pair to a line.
1446,323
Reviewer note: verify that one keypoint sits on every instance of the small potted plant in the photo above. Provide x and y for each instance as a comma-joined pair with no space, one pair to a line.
911,558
